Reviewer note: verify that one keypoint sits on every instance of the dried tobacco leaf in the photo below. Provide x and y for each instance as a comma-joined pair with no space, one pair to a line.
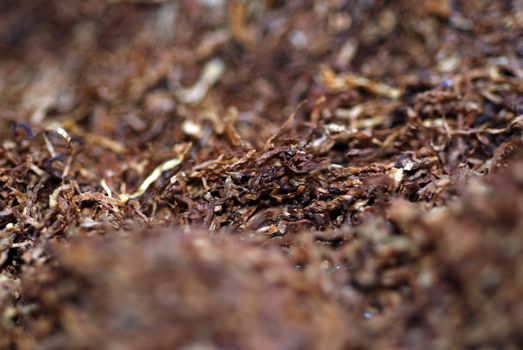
260,174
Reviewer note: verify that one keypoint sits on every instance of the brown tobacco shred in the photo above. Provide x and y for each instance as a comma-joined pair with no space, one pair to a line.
261,174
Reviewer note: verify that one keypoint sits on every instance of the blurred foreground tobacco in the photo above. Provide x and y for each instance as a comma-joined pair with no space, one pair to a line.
261,174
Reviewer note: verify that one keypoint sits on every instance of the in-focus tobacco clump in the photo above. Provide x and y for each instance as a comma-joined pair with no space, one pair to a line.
261,174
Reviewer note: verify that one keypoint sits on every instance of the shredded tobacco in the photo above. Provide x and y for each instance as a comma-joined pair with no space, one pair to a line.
261,174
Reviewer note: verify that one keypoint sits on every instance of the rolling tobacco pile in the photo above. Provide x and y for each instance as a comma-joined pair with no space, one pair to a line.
261,174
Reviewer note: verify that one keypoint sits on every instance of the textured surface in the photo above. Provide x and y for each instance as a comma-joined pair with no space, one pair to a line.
261,174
